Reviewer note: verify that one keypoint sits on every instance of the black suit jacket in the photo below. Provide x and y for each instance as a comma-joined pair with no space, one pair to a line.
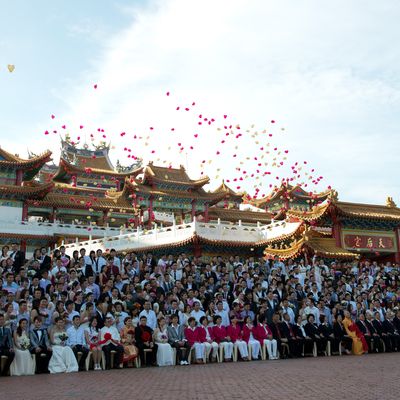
139,334
275,329
286,332
325,330
388,327
297,331
311,330
378,327
6,340
19,260
396,323
339,331
371,327
46,264
363,327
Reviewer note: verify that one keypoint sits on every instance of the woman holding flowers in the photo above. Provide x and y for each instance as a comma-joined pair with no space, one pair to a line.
165,354
23,363
63,358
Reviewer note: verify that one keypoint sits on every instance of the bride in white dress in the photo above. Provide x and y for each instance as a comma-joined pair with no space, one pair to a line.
23,363
165,353
63,358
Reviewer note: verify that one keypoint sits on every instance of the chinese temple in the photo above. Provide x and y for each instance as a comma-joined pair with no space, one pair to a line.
84,200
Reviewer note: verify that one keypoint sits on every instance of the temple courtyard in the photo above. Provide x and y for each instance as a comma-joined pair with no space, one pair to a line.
367,377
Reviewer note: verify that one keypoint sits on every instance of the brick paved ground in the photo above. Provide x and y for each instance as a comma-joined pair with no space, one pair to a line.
366,377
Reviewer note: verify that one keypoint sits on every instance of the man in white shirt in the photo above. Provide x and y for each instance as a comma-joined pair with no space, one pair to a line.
71,313
311,309
99,262
197,313
223,314
76,340
176,274
150,315
111,340
58,268
286,309
115,260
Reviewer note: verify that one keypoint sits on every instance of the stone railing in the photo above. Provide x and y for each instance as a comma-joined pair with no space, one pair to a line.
57,228
141,239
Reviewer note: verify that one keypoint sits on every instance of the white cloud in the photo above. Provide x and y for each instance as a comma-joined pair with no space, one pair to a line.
325,72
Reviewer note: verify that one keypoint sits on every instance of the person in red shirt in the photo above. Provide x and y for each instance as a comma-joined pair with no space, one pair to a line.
248,337
192,339
234,332
205,336
221,337
263,334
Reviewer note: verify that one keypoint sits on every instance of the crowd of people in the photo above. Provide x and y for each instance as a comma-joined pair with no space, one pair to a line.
101,311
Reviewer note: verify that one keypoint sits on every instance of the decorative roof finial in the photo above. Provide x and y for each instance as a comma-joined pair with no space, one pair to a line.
390,203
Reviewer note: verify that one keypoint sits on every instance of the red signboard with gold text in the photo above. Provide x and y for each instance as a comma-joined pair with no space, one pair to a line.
370,242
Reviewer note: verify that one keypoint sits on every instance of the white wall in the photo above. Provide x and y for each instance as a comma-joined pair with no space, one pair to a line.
10,214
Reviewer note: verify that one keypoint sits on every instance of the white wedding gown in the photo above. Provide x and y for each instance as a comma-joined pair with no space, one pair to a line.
165,353
63,358
23,363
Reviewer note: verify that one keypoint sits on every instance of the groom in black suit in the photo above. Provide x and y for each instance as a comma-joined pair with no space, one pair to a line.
40,345
6,347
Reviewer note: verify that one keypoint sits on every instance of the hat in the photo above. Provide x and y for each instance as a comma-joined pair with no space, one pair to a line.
109,315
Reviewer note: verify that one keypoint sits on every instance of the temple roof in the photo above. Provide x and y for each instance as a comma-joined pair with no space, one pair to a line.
368,210
30,166
320,246
223,188
134,186
81,201
310,215
66,169
288,191
177,176
33,191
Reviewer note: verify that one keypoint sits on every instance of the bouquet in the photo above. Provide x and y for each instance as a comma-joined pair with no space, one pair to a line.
164,337
63,337
25,343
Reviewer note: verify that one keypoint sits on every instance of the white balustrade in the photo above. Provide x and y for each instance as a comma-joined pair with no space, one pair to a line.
57,228
159,236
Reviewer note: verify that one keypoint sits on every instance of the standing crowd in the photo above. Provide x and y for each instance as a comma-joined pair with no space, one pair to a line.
66,314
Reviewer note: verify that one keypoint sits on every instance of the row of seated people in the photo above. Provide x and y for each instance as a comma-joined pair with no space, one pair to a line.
74,349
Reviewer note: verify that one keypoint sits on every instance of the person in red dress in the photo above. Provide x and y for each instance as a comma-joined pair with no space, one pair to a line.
193,342
206,336
234,332
221,337
264,335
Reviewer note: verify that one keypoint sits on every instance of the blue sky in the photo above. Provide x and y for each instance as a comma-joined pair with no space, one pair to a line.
329,75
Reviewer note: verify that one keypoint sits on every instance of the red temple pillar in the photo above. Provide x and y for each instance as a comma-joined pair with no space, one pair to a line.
18,179
53,214
105,217
137,213
206,219
193,213
337,233
24,212
23,245
397,254
149,222
196,247
336,228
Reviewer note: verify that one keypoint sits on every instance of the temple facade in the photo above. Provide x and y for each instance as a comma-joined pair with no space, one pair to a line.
83,199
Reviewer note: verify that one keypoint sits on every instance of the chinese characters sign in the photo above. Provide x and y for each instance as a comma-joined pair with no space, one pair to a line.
370,242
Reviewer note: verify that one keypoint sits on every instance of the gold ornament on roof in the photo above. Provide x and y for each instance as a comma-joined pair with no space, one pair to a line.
333,195
390,203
